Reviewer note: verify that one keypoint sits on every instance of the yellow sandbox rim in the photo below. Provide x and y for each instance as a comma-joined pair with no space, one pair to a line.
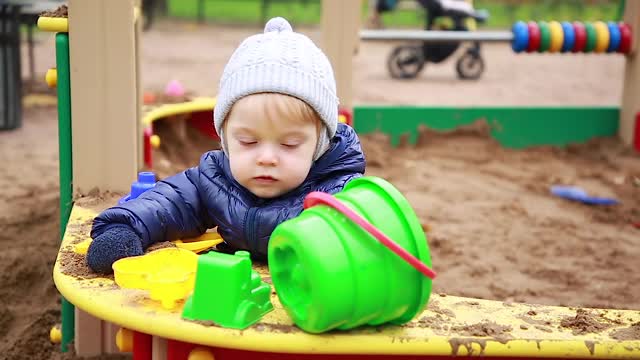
534,330
53,24
195,105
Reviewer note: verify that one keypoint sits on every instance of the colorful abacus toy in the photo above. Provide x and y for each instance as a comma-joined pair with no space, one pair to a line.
571,37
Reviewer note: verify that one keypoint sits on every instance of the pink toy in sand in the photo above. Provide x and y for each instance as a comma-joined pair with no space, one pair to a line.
174,88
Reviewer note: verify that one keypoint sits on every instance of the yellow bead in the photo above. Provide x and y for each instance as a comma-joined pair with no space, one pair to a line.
557,36
51,78
155,141
602,37
55,335
124,340
200,354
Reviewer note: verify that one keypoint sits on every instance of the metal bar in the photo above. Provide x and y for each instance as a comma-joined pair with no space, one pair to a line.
10,75
200,11
436,35
66,166
32,66
4,69
16,73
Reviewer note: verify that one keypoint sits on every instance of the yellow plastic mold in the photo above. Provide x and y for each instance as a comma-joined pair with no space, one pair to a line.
82,247
200,243
197,245
168,274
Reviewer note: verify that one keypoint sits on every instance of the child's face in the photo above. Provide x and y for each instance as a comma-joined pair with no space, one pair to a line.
270,148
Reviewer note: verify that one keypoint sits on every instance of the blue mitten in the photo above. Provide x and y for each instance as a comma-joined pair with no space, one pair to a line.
116,242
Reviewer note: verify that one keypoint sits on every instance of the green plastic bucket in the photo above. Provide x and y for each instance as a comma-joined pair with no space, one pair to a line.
329,273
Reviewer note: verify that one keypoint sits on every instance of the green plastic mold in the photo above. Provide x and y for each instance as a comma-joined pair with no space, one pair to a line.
227,291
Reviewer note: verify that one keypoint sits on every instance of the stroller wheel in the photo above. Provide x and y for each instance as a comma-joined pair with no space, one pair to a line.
405,62
470,66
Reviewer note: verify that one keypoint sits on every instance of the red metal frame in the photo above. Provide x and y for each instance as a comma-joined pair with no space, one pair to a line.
178,350
142,349
636,133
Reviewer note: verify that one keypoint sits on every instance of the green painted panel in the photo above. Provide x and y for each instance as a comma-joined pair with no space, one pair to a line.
513,127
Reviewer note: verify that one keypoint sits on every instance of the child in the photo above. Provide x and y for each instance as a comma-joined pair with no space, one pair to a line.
277,117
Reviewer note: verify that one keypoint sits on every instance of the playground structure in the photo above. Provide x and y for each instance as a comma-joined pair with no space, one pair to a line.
104,162
532,37
406,61
542,36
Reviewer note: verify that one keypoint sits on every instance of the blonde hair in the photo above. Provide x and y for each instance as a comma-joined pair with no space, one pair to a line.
283,106
278,106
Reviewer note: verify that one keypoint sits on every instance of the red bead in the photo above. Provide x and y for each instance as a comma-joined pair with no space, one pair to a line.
581,37
625,38
534,36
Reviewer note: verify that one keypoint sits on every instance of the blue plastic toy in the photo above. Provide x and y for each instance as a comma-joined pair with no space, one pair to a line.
146,181
578,194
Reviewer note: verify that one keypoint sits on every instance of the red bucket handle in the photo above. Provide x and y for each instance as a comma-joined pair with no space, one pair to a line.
318,198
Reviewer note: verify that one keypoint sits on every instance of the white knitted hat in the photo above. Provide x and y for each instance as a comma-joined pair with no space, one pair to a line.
280,61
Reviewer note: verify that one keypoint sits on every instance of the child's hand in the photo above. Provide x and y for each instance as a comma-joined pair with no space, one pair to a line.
116,242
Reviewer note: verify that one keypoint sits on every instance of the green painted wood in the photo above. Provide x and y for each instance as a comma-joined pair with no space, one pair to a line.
513,127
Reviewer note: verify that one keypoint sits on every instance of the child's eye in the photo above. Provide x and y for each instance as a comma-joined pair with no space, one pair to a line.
247,142
291,145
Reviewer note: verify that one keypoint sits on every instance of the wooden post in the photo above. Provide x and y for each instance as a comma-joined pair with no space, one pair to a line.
631,91
103,89
109,333
88,334
340,26
139,94
158,348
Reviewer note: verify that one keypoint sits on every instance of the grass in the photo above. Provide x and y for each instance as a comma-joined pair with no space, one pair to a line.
246,11
503,13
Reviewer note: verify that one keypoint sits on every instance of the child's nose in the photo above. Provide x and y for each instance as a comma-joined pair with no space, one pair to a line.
268,157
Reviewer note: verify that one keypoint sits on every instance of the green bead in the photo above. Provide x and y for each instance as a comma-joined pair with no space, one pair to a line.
591,37
545,36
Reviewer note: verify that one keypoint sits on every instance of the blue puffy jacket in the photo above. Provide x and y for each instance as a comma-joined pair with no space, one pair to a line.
187,204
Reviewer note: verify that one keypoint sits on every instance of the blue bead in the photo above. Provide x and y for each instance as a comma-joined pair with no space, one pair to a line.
520,36
614,36
569,36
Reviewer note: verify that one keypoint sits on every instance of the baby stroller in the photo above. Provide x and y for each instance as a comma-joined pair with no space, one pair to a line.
406,61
